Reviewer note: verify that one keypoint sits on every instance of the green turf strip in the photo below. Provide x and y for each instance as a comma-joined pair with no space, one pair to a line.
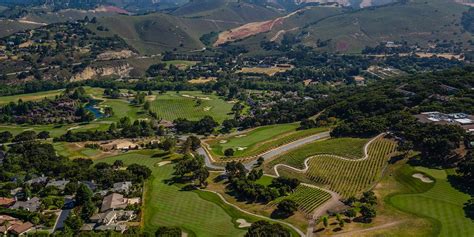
442,204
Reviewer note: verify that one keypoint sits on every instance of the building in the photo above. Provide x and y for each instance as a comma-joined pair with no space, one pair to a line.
122,187
116,201
6,202
463,120
59,184
31,205
38,180
13,226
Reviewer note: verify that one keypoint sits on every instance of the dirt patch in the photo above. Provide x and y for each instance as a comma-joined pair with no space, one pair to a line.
196,97
164,163
265,70
251,29
207,108
202,80
423,178
243,223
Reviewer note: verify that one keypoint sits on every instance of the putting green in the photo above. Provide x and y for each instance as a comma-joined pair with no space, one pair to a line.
442,204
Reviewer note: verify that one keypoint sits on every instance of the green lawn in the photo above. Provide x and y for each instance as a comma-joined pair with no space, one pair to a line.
198,213
265,180
442,204
261,139
172,105
346,147
29,97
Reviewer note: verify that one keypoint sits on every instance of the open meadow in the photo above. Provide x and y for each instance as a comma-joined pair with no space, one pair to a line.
192,105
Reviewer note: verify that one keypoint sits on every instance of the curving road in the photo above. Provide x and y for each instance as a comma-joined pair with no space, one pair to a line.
209,161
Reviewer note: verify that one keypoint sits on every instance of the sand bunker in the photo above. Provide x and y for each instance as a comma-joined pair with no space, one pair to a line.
164,163
422,177
223,141
196,97
241,135
241,148
243,223
207,108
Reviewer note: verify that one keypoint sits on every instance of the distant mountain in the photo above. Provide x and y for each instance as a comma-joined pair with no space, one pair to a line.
130,5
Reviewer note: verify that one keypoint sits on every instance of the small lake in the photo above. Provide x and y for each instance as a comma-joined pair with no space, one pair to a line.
92,106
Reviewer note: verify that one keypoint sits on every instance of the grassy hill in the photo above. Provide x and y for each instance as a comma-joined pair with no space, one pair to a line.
181,30
417,21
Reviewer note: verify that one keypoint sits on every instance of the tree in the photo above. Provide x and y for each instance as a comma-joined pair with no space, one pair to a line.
469,208
5,136
118,163
368,212
108,112
146,105
201,175
351,213
25,136
287,207
168,144
265,229
83,195
87,210
405,147
235,169
43,135
229,152
73,222
164,231
325,221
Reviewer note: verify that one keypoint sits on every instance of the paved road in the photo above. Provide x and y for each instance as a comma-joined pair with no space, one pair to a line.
268,154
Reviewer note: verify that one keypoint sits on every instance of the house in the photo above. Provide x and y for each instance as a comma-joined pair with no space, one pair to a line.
31,205
59,184
13,226
110,220
113,201
6,202
122,187
39,180
110,217
21,229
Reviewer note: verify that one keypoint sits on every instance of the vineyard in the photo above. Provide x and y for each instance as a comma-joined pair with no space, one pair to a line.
347,177
191,105
307,198
346,147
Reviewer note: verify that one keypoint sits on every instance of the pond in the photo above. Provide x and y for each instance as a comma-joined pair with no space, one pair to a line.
92,106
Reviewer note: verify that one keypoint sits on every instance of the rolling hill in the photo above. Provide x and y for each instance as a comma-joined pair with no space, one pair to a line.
182,29
417,22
